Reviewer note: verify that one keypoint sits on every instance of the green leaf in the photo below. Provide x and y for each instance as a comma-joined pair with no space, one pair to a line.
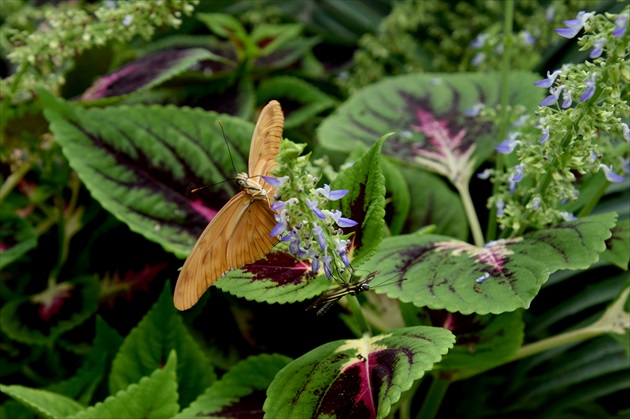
427,113
618,246
146,347
288,89
228,26
147,72
141,163
364,203
241,391
482,342
433,202
356,378
154,396
442,273
43,403
17,236
24,319
398,193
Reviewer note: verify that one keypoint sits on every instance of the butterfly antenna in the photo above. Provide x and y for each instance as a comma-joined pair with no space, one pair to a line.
228,147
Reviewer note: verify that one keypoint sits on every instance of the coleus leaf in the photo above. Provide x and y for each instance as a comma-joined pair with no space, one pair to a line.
618,245
147,72
241,391
287,90
442,273
364,203
44,403
427,111
141,163
42,318
358,377
276,278
154,396
146,346
17,236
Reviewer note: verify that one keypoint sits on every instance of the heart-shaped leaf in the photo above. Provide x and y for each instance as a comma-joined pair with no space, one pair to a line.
356,378
240,392
618,246
427,111
45,403
442,273
142,162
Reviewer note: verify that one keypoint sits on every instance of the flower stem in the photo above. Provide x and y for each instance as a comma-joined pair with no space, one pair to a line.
475,228
355,308
13,179
433,399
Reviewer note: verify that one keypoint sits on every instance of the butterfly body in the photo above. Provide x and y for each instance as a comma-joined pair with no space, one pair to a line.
239,233
327,299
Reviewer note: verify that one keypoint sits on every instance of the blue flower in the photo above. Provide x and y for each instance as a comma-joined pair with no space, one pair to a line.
276,182
567,216
567,99
332,195
621,24
312,205
319,233
536,203
282,225
550,13
341,221
516,177
610,175
626,131
545,135
327,269
598,48
340,248
574,26
553,97
474,111
590,88
482,278
625,165
528,39
479,41
478,59
485,174
315,260
500,206
508,146
521,121
548,82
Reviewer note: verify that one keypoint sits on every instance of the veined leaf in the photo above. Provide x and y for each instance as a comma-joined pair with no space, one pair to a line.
147,72
142,162
17,236
364,203
618,246
442,273
44,403
240,392
154,396
146,346
356,378
427,113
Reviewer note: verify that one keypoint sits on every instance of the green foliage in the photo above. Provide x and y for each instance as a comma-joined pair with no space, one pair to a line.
465,267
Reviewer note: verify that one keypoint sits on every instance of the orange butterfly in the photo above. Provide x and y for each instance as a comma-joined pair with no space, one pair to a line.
239,233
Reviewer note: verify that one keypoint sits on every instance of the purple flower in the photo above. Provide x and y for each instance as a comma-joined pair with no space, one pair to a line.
625,165
610,175
332,195
528,39
545,135
282,225
521,121
508,146
598,48
327,270
567,216
340,248
536,203
590,88
621,24
553,97
276,182
319,233
278,205
127,20
312,205
500,206
550,13
479,41
548,82
475,110
567,99
574,26
341,221
478,59
315,261
516,177
482,278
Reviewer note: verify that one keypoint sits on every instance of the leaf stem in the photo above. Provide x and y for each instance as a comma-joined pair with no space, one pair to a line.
355,308
14,178
475,228
433,400
588,207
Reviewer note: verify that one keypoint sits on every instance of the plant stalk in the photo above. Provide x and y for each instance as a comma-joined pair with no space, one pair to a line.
433,400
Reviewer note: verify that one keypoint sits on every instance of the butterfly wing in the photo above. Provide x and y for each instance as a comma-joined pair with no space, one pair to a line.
265,143
236,236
